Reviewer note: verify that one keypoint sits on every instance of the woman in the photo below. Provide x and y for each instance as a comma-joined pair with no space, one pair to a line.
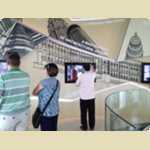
44,90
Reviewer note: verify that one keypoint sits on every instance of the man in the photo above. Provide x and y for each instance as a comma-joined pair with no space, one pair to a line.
87,97
14,96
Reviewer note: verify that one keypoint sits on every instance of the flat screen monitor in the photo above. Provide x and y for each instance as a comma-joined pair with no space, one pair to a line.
145,73
74,70
3,67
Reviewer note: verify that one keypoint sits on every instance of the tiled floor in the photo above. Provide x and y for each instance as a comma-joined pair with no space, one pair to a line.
73,124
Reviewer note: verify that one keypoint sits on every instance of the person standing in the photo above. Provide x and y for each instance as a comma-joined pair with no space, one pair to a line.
44,90
14,96
87,97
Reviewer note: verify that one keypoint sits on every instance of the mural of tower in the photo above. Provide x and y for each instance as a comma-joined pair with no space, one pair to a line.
135,47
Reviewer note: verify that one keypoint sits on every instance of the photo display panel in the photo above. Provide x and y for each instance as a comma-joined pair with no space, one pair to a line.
74,70
146,72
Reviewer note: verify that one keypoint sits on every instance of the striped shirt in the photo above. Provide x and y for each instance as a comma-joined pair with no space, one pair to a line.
14,91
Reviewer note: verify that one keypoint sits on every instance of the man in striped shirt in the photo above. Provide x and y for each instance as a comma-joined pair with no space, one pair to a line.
14,96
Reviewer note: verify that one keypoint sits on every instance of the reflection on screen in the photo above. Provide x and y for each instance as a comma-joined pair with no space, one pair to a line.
3,68
73,72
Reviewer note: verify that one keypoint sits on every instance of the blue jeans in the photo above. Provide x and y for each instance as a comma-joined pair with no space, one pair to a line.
49,123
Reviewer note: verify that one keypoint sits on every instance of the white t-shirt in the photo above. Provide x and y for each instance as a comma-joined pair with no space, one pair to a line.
86,85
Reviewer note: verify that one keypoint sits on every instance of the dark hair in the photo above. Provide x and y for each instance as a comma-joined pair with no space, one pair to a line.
87,67
13,58
52,69
7,53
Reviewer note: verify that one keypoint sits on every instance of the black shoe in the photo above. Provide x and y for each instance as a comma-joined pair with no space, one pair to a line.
92,129
83,128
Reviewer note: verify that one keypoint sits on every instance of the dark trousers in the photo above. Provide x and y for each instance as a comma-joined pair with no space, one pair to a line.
49,123
87,107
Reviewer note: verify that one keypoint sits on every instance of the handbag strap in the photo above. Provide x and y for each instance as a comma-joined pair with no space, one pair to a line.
50,97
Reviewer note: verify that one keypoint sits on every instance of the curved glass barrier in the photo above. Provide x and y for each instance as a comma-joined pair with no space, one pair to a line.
127,110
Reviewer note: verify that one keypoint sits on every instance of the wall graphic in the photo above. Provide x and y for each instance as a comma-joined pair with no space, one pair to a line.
37,50
135,47
15,36
136,44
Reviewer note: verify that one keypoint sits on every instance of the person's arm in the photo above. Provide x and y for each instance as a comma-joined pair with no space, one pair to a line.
95,77
78,81
37,89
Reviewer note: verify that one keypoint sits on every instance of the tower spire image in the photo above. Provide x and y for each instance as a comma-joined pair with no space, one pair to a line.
135,47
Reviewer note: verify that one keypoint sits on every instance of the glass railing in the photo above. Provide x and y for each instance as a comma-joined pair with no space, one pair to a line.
127,110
